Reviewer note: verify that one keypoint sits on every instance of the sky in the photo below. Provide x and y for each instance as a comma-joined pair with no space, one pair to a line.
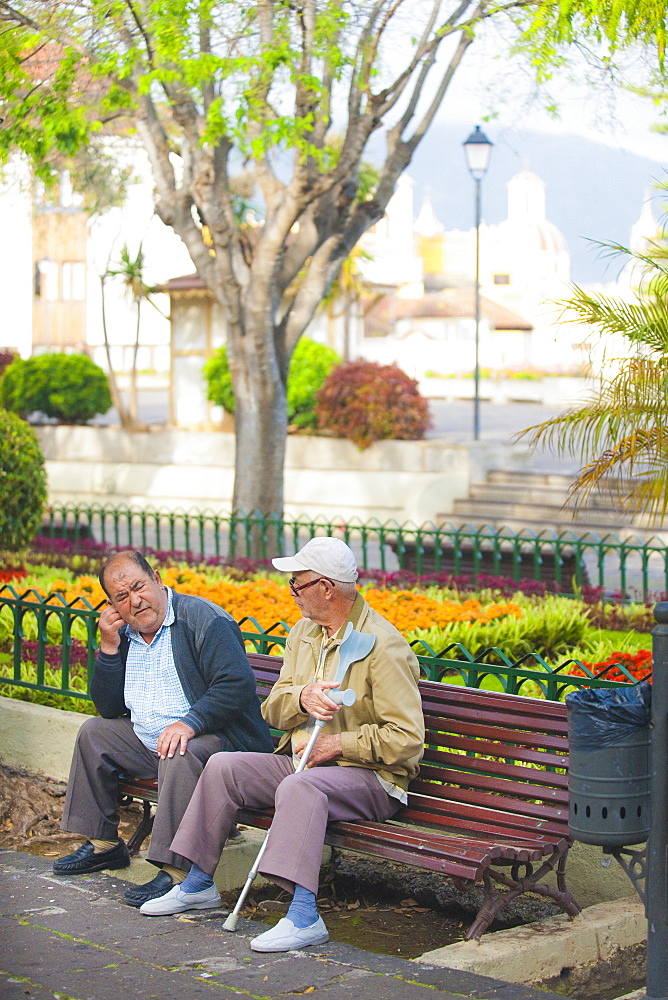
489,86
600,158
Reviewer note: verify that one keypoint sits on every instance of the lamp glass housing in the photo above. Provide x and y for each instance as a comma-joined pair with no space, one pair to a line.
478,149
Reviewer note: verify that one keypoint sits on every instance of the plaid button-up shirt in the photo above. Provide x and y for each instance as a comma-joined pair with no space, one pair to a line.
153,691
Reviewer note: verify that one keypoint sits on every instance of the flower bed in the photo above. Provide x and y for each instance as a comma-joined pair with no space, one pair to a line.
269,602
434,616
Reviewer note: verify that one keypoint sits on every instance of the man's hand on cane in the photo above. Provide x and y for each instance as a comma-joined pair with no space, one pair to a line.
314,701
327,746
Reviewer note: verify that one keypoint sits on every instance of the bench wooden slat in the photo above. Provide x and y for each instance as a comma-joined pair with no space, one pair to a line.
481,730
456,694
511,795
494,716
435,759
140,788
478,819
512,812
439,844
543,758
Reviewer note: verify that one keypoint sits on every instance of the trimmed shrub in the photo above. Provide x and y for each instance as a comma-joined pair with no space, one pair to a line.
310,365
366,402
22,482
217,373
69,387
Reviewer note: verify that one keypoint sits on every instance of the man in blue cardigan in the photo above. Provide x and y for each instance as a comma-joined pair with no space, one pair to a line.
173,686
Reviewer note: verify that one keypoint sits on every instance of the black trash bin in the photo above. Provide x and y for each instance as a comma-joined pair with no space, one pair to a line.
609,769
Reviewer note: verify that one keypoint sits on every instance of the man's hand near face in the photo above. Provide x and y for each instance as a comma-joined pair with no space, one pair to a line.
174,737
110,623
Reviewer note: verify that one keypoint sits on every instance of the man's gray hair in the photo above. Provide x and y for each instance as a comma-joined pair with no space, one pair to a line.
347,590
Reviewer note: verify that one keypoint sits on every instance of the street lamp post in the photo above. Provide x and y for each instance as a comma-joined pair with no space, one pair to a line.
478,150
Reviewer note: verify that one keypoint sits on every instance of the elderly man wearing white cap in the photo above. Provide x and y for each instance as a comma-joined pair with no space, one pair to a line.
359,768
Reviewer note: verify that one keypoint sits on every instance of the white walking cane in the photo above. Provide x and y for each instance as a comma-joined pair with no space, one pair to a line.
354,646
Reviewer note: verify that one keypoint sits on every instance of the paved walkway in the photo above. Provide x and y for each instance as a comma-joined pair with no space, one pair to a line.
73,938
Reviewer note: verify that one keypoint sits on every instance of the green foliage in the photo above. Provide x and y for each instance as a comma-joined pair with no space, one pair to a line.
22,482
244,58
617,23
366,402
217,373
310,365
38,78
552,627
46,698
69,387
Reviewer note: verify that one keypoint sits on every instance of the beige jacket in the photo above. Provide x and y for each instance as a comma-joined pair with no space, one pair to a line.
384,729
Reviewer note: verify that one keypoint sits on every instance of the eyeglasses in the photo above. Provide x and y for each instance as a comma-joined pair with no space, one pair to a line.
304,586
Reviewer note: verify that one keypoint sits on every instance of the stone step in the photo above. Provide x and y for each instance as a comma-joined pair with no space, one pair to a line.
530,478
537,525
519,508
530,492
535,478
534,501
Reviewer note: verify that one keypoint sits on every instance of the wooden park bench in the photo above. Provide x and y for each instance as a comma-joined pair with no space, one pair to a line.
489,806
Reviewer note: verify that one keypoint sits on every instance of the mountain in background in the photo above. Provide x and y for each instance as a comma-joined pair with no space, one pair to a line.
593,192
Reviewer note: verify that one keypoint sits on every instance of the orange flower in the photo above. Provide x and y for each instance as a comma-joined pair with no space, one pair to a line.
269,603
408,609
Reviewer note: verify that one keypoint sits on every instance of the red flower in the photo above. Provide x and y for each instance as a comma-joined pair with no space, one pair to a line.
639,665
12,573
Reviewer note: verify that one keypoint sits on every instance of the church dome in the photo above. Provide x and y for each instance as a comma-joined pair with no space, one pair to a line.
526,211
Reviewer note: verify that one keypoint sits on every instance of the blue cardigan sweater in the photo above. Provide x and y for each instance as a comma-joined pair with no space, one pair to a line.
216,677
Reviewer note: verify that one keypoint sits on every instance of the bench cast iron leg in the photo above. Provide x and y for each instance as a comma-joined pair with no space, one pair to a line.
143,830
495,900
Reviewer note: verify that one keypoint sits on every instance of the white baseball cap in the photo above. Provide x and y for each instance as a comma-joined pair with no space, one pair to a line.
329,556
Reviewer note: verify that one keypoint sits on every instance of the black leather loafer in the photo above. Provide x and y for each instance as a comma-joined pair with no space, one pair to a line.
158,886
85,860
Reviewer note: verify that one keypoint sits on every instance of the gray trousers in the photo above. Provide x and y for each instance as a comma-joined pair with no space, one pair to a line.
304,803
106,748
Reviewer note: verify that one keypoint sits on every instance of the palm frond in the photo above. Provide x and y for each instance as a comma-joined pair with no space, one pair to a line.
644,321
634,475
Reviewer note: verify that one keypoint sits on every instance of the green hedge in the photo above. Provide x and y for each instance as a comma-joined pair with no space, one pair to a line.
68,387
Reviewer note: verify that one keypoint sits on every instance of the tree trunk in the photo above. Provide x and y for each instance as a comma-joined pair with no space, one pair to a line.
347,311
126,422
133,372
261,429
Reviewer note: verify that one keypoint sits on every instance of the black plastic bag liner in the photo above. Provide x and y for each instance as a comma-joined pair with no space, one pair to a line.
604,717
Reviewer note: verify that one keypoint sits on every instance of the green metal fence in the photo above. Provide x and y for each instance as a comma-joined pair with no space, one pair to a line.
49,645
631,566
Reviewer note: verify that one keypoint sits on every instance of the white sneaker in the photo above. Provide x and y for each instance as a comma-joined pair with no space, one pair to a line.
286,937
176,901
